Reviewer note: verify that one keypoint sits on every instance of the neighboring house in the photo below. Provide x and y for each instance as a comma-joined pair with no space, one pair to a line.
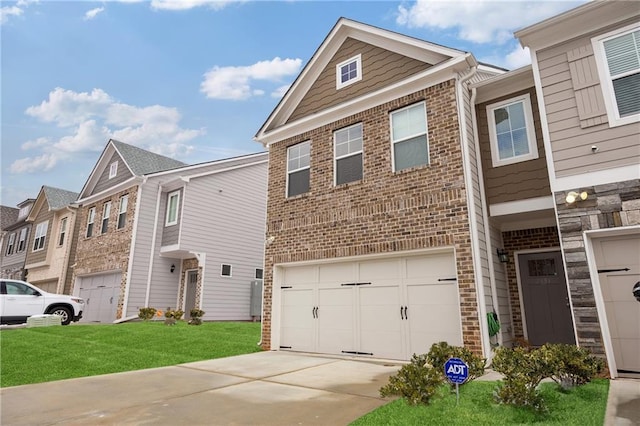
586,66
14,243
377,239
51,246
8,216
156,232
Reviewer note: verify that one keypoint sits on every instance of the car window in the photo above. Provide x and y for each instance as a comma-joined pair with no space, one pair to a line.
19,288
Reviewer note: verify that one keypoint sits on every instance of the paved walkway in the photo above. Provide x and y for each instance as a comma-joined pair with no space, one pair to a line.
265,388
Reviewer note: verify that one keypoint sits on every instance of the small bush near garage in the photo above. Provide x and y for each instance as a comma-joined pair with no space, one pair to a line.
147,313
524,369
419,380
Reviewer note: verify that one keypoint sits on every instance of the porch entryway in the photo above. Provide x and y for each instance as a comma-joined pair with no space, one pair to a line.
190,292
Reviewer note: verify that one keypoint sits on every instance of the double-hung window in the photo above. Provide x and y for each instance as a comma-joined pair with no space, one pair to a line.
113,170
22,241
63,231
40,236
11,244
511,131
106,212
409,140
618,60
347,148
349,71
298,169
91,217
122,212
173,202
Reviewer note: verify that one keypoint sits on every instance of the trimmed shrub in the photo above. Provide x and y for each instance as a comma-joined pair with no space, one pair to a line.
196,316
570,365
417,381
147,313
441,352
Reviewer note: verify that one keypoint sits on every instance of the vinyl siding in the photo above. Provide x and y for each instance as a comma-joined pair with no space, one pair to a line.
41,256
104,182
170,234
380,68
502,290
224,216
575,111
512,182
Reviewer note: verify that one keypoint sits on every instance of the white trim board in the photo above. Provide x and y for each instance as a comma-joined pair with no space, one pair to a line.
521,206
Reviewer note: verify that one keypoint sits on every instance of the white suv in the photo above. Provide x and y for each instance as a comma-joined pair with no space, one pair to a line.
19,300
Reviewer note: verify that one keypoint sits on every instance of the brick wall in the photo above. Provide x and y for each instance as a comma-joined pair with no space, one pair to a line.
526,239
109,251
190,264
385,211
607,206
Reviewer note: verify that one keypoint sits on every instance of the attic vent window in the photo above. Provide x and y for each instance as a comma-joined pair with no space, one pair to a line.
349,72
113,169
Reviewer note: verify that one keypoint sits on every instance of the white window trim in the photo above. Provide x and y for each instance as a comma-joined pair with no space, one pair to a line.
62,234
167,222
358,60
286,189
11,245
91,218
531,133
105,216
230,270
351,154
606,81
41,232
124,200
22,238
393,142
113,170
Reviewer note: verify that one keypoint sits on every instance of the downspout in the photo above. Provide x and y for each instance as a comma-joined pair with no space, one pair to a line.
485,214
475,249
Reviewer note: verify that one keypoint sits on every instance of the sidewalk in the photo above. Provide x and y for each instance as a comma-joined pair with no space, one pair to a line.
623,406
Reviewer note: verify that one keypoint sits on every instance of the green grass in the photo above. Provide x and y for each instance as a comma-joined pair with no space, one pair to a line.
584,405
43,354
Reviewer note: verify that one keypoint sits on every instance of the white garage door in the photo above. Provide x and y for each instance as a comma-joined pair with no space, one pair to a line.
100,294
618,262
384,308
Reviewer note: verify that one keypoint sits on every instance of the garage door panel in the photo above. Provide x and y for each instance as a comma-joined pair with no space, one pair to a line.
297,319
435,266
433,294
101,293
380,322
629,350
335,316
626,320
337,273
379,269
301,275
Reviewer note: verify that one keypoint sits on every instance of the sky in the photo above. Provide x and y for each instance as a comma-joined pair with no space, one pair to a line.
190,79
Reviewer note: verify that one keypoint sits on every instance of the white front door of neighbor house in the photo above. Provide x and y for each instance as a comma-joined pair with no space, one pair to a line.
383,308
618,263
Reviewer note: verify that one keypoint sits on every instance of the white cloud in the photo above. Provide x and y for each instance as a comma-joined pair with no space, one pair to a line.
7,11
189,4
235,82
280,91
479,21
519,57
40,163
92,118
93,13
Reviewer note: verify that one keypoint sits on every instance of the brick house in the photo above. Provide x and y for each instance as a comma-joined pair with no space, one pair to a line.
14,243
375,228
51,246
156,232
586,67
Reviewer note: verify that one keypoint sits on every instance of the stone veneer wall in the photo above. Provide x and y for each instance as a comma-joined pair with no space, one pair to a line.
607,206
190,264
110,251
385,212
525,239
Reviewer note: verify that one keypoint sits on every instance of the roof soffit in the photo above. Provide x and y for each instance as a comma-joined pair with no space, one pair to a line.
504,84
345,28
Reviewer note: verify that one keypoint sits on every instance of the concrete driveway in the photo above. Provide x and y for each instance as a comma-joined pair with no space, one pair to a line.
265,388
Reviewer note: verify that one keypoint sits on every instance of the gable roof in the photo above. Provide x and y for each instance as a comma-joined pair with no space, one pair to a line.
8,216
59,198
138,161
345,28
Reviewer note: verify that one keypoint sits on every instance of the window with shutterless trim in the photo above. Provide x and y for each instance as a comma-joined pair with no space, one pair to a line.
113,169
347,154
122,212
63,231
10,244
106,212
91,216
409,139
173,202
22,241
40,236
349,71
298,170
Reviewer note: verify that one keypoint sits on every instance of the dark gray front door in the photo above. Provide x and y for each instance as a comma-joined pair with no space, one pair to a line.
190,296
544,294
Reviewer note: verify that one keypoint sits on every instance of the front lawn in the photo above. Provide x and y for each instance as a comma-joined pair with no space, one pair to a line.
43,354
584,405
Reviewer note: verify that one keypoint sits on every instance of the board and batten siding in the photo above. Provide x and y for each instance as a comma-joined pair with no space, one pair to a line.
518,181
380,68
576,114
122,175
224,215
44,215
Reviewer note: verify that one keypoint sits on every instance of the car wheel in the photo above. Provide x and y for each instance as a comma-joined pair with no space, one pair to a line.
64,312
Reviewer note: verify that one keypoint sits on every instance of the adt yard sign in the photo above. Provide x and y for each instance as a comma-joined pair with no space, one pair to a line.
456,370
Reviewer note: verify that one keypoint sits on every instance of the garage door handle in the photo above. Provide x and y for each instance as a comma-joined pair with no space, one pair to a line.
314,312
405,313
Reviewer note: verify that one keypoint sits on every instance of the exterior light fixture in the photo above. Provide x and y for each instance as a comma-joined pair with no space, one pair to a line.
573,196
173,268
503,255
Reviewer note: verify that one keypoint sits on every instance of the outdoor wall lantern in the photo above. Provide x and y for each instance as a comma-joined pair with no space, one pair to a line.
503,255
573,196
173,268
